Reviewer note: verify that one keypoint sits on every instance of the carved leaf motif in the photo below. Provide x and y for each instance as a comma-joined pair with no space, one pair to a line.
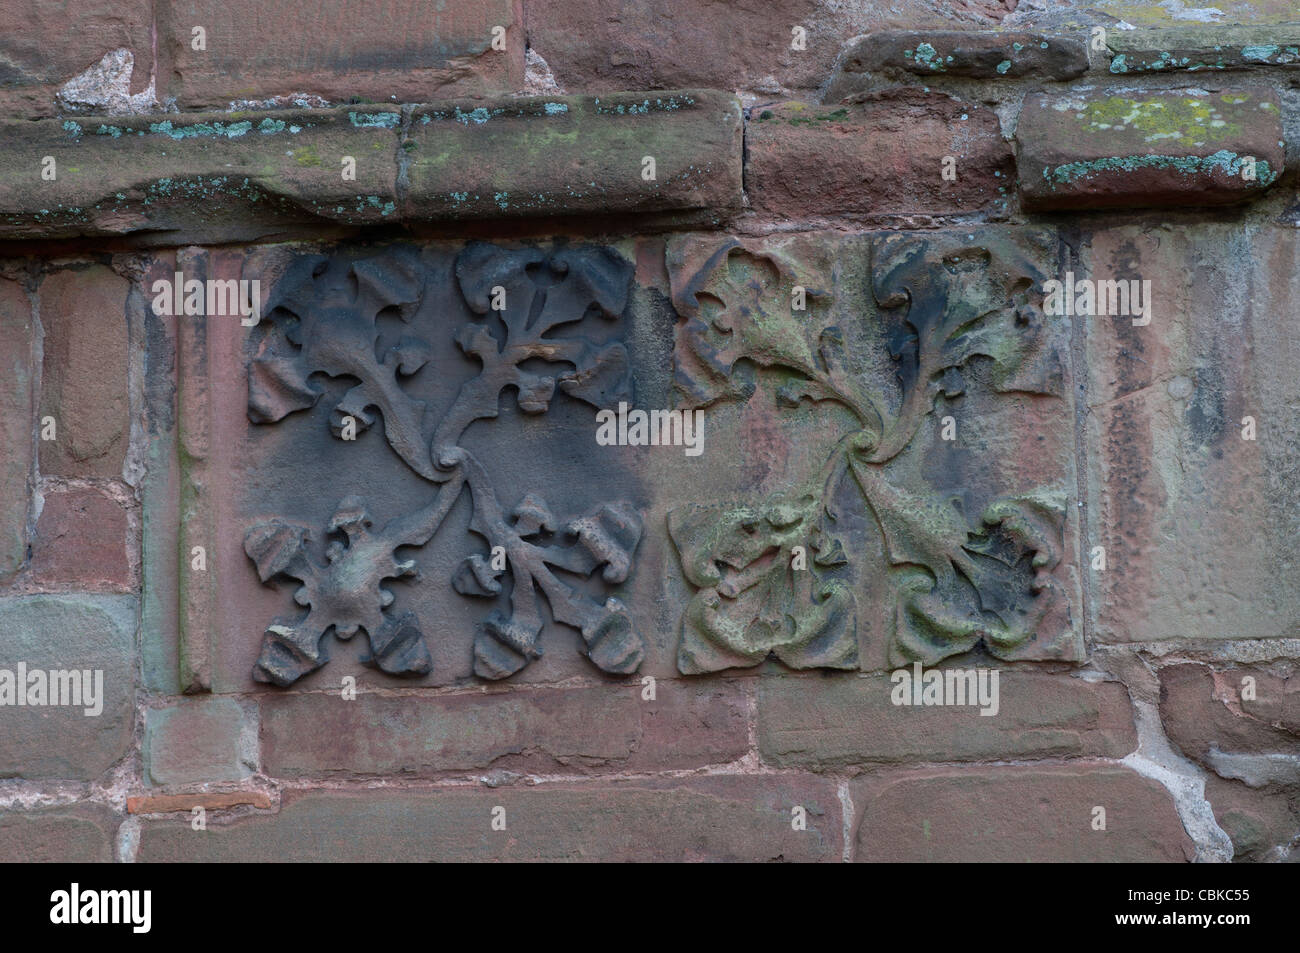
945,303
333,331
606,537
751,601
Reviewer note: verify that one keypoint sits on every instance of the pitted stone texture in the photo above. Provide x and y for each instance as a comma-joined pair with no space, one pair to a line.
225,176
575,155
719,819
76,834
1201,528
1015,814
877,159
970,53
81,542
64,633
1125,150
84,388
338,51
830,725
17,425
197,741
566,730
1211,49
47,45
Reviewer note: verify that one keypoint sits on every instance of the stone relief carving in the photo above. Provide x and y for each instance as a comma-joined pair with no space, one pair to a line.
324,320
943,303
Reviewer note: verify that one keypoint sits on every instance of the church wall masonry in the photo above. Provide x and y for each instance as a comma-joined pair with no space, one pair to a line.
867,435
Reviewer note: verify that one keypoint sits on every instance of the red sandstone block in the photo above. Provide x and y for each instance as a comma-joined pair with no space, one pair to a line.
737,818
882,157
44,45
81,541
825,724
606,728
1014,814
406,51
83,312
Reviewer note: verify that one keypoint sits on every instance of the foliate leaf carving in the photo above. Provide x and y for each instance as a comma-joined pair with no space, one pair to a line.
325,320
751,600
943,304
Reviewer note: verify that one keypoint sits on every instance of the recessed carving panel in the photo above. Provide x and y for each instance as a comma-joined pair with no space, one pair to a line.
399,475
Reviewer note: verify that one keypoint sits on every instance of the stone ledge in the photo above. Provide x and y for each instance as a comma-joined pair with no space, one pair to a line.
1176,147
1197,49
973,54
576,155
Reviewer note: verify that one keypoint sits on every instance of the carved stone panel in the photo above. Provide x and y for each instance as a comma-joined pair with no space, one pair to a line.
398,475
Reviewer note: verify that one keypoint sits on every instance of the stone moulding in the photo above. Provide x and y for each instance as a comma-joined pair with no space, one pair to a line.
194,175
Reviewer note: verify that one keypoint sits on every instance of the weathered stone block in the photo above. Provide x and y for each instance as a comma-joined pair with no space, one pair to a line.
199,741
49,46
64,633
827,724
721,819
405,50
222,176
1205,717
1018,814
1203,48
81,542
1264,825
1195,505
597,45
971,53
575,155
17,425
1184,147
567,730
84,388
879,158
77,834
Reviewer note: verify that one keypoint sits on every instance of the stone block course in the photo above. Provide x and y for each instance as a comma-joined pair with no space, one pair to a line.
601,728
831,725
337,51
1015,814
722,818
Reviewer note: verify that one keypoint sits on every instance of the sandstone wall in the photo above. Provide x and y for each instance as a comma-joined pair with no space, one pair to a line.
361,581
